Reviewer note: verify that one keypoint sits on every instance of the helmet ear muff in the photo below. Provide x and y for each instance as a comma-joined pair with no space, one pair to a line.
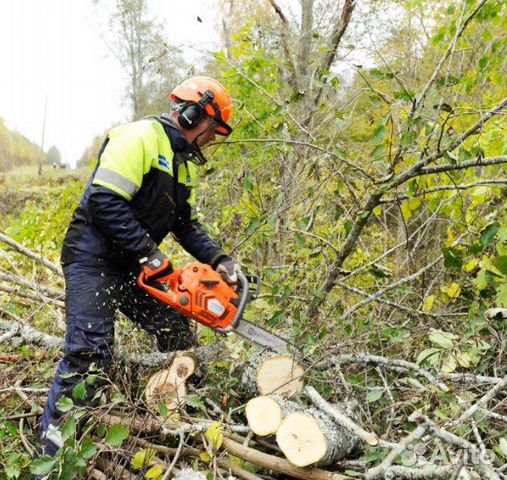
191,115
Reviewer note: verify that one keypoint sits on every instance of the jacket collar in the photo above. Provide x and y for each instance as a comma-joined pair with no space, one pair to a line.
178,141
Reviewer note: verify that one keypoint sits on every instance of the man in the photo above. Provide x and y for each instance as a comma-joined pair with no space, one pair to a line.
142,188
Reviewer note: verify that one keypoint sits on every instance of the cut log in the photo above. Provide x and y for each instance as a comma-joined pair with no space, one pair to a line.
168,385
267,373
264,415
311,437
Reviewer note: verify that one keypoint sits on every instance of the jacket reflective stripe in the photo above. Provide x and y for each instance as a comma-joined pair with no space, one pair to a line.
108,178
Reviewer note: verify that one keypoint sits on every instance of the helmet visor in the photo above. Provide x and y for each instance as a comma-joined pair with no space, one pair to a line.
223,128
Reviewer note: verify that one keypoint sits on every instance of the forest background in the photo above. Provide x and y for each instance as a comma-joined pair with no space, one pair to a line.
364,182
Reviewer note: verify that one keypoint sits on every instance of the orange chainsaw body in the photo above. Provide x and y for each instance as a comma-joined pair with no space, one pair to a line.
198,292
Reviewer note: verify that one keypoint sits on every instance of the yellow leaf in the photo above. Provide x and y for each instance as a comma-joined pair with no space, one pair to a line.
414,203
215,435
205,456
464,359
470,266
453,290
405,209
428,303
142,458
377,210
154,473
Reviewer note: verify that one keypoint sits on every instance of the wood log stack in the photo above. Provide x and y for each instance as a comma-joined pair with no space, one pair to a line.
306,436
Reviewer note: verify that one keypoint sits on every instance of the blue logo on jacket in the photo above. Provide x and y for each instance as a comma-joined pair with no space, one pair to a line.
163,162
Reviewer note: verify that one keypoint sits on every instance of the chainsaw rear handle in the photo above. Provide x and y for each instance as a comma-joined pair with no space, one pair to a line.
243,300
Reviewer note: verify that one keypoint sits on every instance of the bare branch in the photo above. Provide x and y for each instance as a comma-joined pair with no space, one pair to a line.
285,44
336,37
25,251
390,287
448,52
443,188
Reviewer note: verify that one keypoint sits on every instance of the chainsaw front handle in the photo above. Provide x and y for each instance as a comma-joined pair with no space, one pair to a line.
243,300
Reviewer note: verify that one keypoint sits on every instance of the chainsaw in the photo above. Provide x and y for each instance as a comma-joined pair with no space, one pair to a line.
200,293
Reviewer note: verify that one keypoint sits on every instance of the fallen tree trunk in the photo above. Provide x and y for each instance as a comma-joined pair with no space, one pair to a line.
267,372
32,335
311,437
265,413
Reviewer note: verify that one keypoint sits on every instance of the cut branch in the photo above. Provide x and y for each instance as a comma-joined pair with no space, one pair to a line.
25,251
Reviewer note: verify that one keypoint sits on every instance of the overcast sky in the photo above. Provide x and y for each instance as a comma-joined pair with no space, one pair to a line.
55,48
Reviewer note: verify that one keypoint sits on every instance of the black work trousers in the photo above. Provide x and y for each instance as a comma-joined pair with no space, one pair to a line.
92,300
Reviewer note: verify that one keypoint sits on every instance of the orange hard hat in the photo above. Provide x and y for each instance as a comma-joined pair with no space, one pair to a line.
219,108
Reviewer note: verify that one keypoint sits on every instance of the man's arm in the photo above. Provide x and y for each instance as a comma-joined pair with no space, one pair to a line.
195,240
112,214
117,179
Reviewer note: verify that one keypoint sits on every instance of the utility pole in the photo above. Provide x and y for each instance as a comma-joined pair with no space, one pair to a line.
39,172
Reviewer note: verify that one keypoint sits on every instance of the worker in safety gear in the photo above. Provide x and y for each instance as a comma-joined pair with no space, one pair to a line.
142,188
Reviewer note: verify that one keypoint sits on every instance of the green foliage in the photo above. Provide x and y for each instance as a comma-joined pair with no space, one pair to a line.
116,435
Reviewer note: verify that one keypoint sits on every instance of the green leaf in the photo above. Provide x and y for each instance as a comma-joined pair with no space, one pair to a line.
65,404
452,258
348,227
79,391
353,473
300,240
442,339
194,401
88,448
163,410
118,397
43,465
374,395
378,153
379,134
406,95
116,435
501,264
341,153
68,428
255,223
489,232
427,354
501,295
296,97
248,183
408,138
12,471
449,364
483,62
276,318
142,458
